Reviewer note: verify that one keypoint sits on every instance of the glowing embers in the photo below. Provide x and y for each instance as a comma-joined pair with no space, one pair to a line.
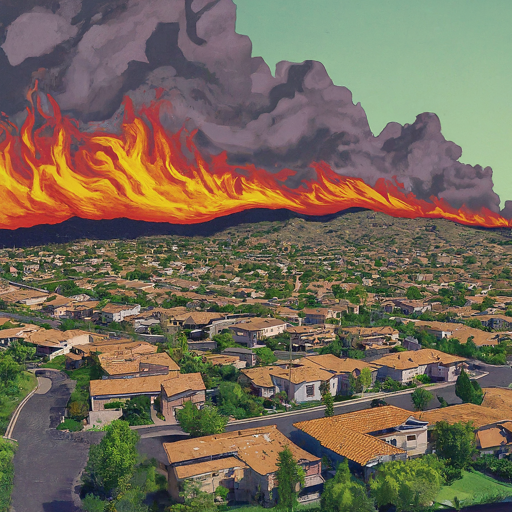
54,171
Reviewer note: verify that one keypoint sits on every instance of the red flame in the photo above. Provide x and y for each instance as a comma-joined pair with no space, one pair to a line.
55,172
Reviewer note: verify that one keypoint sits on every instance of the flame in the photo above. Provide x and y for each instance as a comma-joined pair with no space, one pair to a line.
54,172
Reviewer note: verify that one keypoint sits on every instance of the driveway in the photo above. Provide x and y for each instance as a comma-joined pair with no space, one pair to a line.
46,466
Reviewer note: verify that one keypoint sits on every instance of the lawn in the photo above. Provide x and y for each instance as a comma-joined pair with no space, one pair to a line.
473,487
57,363
7,450
26,383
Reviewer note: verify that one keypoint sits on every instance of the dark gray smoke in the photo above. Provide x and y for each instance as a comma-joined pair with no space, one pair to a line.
90,53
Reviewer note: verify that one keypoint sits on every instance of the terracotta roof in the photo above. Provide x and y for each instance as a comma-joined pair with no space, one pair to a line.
182,382
479,415
499,399
258,448
347,434
117,308
302,374
371,331
222,360
258,324
150,384
112,346
52,337
209,466
117,363
415,358
337,364
260,376
491,437
507,426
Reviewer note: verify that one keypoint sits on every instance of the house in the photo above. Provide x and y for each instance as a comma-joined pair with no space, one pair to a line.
7,336
127,364
343,368
251,333
407,307
178,389
52,343
300,382
308,335
493,427
57,306
118,312
369,336
318,316
246,355
174,389
225,360
80,310
243,461
495,322
405,366
366,438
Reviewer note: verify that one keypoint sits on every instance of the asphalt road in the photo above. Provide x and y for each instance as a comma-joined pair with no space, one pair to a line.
46,467
31,319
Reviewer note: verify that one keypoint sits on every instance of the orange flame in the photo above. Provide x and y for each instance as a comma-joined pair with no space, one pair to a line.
51,173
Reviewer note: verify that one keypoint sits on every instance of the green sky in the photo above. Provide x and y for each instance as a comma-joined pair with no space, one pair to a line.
403,57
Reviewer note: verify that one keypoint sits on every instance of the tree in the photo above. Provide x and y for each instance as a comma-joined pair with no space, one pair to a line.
112,462
289,476
224,340
342,494
466,390
21,352
409,485
328,401
265,356
413,293
420,398
201,422
455,443
9,368
194,499
364,381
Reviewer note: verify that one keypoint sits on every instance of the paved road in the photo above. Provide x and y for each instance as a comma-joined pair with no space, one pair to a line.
31,319
46,467
153,437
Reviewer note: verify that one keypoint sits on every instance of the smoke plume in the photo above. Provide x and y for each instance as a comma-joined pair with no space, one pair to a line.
89,54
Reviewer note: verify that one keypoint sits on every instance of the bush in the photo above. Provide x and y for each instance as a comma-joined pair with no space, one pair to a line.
71,425
78,410
114,405
136,411
424,379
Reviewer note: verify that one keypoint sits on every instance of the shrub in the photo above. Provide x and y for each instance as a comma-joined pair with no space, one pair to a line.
78,410
424,379
71,425
114,405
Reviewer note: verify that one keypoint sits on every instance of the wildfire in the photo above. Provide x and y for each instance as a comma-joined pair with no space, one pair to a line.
53,172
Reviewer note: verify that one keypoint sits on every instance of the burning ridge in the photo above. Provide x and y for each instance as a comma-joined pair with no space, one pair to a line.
51,171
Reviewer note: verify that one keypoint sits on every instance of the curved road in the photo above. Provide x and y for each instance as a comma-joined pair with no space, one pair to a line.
45,466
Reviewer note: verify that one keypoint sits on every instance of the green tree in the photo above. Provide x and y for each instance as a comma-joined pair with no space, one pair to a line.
410,485
224,340
420,398
466,390
455,443
201,422
290,476
111,463
265,356
343,494
9,368
413,293
328,401
364,380
194,499
21,352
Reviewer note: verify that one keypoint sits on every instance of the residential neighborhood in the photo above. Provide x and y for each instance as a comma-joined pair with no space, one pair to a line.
225,358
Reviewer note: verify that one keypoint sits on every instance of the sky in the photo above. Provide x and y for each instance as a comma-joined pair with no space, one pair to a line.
404,57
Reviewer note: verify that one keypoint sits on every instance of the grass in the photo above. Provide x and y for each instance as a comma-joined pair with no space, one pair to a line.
26,383
472,487
7,450
258,508
57,363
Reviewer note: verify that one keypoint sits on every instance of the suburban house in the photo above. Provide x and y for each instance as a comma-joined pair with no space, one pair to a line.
127,364
405,366
300,382
57,306
407,307
366,438
243,461
343,368
246,355
178,389
303,336
225,360
318,316
495,322
251,333
493,427
118,312
80,310
374,340
7,336
52,343
174,389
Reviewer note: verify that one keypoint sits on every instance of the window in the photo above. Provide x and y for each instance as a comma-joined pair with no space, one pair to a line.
310,390
411,438
393,442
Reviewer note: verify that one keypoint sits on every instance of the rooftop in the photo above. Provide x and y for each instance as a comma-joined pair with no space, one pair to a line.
479,415
258,448
412,359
